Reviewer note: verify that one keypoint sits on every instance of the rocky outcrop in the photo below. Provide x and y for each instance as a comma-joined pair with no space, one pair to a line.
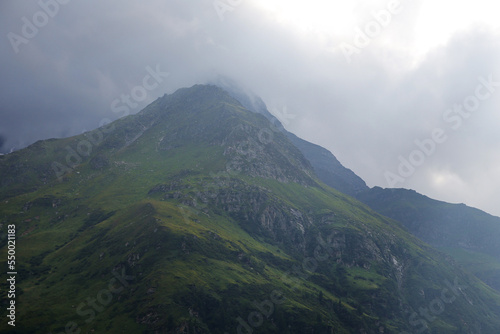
254,208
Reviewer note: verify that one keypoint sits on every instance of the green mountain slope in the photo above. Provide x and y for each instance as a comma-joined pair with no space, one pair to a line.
196,216
469,235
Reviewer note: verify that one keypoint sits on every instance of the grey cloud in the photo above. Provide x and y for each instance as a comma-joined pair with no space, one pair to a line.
367,113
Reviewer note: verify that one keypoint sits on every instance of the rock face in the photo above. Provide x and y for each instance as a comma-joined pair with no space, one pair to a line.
256,209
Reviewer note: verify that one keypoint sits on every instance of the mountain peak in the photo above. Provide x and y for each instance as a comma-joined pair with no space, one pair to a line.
209,115
325,164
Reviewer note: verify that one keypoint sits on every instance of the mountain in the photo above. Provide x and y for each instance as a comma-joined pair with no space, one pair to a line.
326,166
197,215
469,235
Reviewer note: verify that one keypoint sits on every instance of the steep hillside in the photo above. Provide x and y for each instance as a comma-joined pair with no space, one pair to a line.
326,166
197,216
469,235
328,169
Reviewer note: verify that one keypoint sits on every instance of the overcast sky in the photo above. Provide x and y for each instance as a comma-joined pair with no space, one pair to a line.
364,79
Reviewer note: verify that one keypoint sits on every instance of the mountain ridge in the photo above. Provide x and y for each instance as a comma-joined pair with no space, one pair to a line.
325,164
453,228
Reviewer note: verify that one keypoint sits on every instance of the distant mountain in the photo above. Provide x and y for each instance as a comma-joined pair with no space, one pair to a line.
470,235
196,216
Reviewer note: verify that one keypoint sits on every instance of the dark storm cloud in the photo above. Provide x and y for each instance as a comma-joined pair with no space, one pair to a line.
64,79
368,112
